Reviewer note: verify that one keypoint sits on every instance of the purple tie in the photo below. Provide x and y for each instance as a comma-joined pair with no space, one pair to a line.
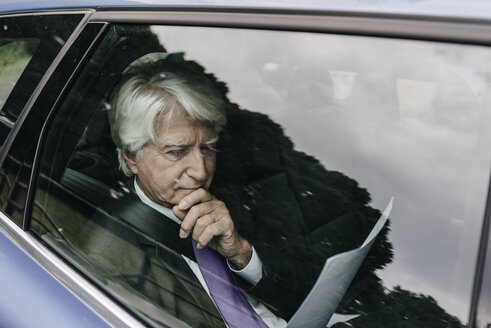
231,304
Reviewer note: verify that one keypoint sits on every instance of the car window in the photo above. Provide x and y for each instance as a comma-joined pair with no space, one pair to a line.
28,46
322,132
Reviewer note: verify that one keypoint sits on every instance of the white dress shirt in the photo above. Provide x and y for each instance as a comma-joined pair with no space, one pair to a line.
252,272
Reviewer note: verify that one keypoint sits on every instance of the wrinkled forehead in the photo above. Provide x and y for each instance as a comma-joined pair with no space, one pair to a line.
179,127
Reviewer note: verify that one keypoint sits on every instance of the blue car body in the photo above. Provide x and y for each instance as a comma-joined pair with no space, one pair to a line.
31,297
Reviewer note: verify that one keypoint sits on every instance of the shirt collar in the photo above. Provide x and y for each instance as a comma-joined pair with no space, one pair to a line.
162,209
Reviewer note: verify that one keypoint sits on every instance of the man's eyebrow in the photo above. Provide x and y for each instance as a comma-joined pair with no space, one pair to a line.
174,144
185,143
211,141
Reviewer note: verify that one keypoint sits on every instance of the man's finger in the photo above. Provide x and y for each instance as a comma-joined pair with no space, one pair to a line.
208,234
201,224
196,212
180,214
198,196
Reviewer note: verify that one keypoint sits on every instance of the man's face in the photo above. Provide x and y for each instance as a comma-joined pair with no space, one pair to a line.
181,160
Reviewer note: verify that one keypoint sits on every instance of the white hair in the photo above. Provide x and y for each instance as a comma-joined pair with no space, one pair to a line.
147,97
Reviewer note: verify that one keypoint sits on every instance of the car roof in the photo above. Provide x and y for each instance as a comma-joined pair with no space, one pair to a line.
473,9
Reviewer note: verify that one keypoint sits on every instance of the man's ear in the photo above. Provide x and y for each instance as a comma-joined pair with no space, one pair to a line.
130,161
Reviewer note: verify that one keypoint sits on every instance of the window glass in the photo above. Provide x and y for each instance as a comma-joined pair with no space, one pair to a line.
14,57
322,132
28,46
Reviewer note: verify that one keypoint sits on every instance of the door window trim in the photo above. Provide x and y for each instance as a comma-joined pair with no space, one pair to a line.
477,290
415,27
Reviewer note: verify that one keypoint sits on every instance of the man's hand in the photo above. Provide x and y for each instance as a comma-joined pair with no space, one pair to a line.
208,221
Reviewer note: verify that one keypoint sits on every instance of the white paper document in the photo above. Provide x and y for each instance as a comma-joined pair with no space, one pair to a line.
317,310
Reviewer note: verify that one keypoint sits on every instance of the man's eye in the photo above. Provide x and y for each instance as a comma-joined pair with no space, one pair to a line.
177,153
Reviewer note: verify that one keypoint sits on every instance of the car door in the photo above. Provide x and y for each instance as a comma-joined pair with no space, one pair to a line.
329,117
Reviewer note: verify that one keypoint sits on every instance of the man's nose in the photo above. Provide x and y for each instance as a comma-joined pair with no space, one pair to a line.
197,167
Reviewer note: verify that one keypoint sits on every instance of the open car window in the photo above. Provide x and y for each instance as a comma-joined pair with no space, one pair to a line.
316,144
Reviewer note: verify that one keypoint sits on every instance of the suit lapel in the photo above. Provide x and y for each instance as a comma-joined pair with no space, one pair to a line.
154,227
173,276
164,273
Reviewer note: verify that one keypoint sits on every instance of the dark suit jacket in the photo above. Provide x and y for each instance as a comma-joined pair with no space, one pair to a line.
293,237
137,247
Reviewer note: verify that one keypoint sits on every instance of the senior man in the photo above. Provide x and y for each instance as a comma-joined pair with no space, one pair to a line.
165,120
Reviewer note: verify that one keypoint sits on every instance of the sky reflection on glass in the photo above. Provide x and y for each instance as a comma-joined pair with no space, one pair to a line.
407,119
